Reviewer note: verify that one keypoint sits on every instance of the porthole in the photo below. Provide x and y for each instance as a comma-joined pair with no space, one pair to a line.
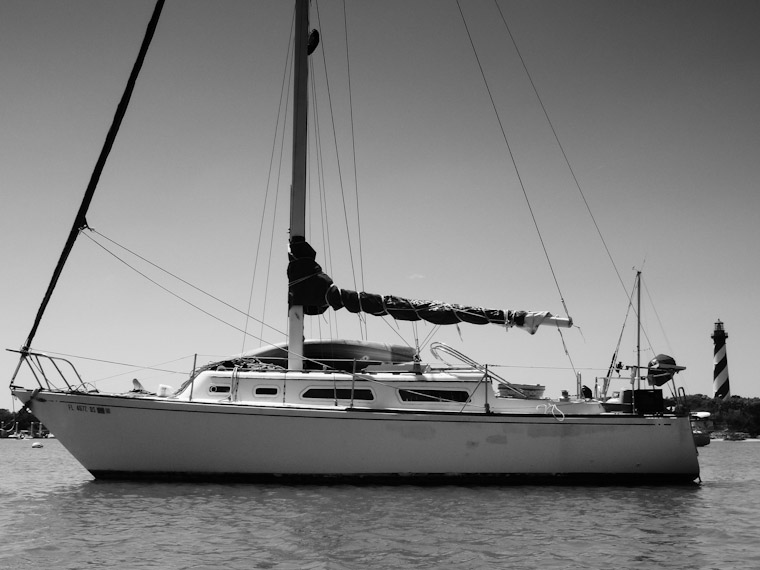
422,395
339,393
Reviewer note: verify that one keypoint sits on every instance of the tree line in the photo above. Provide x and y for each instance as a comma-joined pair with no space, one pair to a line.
24,418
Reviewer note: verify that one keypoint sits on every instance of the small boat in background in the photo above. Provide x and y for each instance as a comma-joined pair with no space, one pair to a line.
699,428
701,438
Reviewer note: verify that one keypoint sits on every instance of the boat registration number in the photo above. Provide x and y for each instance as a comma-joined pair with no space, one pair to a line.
90,409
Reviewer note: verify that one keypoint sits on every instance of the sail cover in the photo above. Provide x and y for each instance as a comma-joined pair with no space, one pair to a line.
313,289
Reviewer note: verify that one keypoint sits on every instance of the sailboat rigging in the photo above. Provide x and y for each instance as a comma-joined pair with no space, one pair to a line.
313,408
80,221
659,371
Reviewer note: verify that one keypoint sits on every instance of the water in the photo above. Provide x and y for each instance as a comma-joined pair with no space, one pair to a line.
53,515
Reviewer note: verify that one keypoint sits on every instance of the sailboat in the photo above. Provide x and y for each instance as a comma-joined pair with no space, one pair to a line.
316,409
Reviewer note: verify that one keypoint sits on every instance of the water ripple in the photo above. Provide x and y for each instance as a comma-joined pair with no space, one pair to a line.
53,515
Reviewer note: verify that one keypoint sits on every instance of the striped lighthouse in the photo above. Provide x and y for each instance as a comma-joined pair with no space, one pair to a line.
720,363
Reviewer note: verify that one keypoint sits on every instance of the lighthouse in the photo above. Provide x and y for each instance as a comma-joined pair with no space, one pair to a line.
720,363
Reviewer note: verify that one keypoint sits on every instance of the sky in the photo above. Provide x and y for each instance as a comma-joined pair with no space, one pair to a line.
655,103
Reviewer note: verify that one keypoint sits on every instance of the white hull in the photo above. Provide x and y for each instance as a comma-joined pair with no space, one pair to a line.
122,436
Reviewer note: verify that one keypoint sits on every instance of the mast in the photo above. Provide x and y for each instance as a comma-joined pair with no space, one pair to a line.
638,330
298,187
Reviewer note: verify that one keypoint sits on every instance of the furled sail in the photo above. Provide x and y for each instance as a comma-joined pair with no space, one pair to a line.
312,288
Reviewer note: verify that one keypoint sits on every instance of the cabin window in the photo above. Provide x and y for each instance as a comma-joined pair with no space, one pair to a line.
266,391
423,395
214,389
339,393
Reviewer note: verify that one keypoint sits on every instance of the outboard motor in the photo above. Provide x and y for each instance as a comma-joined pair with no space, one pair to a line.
661,369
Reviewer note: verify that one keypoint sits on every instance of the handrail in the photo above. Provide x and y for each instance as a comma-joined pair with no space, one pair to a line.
35,362
234,384
439,346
